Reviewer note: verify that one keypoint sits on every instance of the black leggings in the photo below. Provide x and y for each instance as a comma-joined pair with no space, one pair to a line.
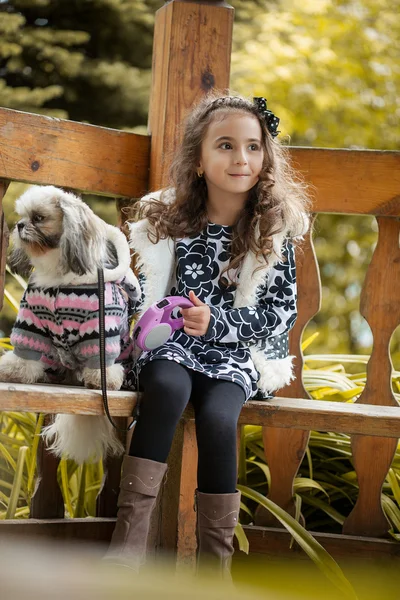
167,387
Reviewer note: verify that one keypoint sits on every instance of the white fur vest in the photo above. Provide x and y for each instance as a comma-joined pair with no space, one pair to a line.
157,262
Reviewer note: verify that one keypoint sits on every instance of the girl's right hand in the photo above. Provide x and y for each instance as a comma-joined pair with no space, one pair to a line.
196,319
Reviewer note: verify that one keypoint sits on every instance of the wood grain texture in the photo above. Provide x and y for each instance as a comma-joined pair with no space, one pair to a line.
300,413
106,501
381,308
44,150
284,450
191,56
4,236
267,541
276,543
351,181
186,532
91,530
178,517
47,501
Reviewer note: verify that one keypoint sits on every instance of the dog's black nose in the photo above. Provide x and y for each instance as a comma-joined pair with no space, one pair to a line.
20,226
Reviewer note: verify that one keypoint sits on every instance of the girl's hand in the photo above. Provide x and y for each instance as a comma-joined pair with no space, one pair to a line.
196,319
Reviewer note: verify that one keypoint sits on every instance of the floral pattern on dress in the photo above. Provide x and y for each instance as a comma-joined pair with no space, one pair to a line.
223,352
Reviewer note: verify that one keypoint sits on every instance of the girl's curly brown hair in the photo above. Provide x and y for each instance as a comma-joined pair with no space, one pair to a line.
278,202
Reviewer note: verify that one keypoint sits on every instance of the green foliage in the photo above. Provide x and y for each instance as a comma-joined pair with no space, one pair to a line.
330,69
326,487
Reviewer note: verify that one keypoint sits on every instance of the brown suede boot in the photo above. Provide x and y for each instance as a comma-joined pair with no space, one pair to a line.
140,483
217,517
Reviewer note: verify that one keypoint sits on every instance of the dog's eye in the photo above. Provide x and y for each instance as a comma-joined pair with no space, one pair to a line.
37,218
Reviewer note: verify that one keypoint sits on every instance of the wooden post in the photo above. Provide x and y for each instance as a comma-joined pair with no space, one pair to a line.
47,501
3,241
106,501
191,56
372,457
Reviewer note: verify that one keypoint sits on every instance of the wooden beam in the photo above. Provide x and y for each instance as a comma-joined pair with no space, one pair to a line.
44,150
294,413
90,530
262,540
319,415
276,543
51,399
4,235
351,181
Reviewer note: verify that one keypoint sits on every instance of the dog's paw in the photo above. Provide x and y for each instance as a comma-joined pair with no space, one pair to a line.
114,375
15,369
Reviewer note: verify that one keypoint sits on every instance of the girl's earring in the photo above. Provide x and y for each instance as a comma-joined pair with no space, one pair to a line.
199,172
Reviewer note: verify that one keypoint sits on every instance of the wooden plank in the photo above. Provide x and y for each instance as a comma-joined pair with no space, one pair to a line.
90,529
276,542
47,501
44,150
73,400
380,306
191,55
4,235
280,412
267,541
106,501
352,181
178,516
186,543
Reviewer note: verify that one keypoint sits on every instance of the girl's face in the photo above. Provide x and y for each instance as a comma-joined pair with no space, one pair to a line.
232,153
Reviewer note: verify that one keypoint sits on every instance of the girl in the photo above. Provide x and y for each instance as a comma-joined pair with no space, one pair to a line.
220,235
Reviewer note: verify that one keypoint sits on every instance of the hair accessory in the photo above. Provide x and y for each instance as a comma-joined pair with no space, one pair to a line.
271,120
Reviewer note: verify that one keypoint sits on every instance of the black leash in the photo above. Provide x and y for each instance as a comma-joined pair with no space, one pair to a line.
135,415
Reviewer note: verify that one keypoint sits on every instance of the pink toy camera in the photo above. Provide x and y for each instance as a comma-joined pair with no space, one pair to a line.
156,325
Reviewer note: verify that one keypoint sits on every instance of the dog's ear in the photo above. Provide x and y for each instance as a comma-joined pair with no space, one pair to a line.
79,243
19,262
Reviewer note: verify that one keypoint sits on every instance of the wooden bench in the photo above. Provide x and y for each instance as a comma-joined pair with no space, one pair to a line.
42,150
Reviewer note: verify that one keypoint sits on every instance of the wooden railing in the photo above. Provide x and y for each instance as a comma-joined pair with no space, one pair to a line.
38,149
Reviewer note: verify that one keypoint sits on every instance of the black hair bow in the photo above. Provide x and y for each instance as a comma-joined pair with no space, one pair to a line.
271,120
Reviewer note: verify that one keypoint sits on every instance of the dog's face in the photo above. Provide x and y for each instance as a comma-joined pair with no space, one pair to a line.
40,227
53,219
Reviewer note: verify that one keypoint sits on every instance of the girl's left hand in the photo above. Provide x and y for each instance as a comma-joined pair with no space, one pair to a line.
196,319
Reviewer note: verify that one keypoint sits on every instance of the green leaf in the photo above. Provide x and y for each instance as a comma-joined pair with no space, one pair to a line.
326,508
16,483
242,539
80,503
35,445
264,468
394,484
304,483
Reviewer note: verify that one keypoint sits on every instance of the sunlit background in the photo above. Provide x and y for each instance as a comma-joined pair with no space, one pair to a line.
330,70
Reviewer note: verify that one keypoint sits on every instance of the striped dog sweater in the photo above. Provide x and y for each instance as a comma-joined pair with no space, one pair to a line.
60,326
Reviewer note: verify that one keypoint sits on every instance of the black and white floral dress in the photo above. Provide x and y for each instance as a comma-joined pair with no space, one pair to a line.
223,352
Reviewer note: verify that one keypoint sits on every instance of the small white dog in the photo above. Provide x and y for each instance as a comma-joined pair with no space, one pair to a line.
56,334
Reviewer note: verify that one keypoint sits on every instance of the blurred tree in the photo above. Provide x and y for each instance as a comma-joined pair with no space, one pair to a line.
87,60
329,68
